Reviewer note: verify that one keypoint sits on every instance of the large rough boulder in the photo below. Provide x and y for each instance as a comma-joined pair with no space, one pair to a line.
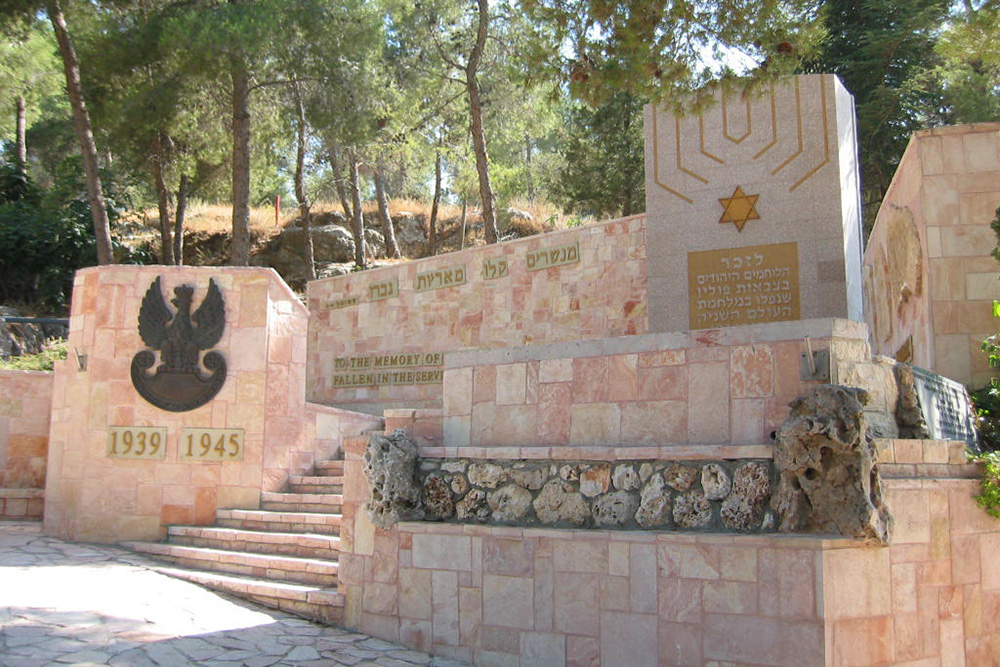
828,479
331,243
410,233
18,339
390,468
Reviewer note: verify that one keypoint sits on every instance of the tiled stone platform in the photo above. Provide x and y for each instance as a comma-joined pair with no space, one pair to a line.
77,604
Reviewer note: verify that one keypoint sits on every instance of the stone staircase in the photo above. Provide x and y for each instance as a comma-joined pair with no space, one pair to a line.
284,555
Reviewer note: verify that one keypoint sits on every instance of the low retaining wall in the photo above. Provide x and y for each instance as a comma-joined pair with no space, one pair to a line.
655,393
524,596
25,409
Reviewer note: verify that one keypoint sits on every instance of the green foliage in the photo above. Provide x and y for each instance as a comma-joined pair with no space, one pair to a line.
880,49
602,151
989,486
45,237
986,402
54,350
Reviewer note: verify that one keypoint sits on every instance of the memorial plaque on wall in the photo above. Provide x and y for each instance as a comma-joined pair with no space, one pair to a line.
750,285
945,407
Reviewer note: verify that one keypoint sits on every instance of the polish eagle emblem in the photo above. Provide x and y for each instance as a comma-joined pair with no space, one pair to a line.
179,383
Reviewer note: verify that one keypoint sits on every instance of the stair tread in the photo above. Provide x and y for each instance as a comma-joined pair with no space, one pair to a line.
279,496
279,515
226,556
254,586
222,532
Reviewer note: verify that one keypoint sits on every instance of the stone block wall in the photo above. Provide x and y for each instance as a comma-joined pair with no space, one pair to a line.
929,278
600,293
656,395
525,596
25,406
90,496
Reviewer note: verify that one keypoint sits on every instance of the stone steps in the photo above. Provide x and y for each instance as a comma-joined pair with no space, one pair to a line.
283,555
312,571
315,602
324,503
316,484
331,468
304,545
282,522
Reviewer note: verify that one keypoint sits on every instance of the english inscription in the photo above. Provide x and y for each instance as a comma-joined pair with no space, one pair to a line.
439,278
549,257
385,289
137,442
387,378
750,285
494,268
345,302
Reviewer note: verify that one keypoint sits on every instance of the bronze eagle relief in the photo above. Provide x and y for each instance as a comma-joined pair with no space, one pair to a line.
179,383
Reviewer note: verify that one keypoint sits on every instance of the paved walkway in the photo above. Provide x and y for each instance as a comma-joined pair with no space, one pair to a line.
64,604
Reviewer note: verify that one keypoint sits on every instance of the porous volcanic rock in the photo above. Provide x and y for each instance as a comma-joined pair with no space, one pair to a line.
744,508
692,510
680,477
473,507
509,503
615,509
595,481
559,503
654,503
715,481
625,477
828,479
489,475
438,503
390,466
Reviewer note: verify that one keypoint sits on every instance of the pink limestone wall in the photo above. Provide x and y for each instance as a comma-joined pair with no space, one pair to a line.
643,396
929,278
512,596
25,405
600,294
92,497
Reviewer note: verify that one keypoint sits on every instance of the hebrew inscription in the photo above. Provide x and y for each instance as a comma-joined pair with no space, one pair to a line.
385,289
494,268
439,278
750,285
549,257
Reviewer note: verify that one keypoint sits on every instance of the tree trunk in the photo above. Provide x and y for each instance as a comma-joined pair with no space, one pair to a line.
338,181
476,126
182,194
436,202
22,145
163,202
391,247
240,250
81,119
357,219
527,167
465,211
300,187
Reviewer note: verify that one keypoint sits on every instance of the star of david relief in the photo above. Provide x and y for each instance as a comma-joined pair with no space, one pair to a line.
739,208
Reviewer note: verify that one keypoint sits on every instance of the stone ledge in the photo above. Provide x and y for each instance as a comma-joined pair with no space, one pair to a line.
662,453
817,329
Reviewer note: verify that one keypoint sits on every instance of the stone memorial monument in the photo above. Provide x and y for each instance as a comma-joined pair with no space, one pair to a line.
755,202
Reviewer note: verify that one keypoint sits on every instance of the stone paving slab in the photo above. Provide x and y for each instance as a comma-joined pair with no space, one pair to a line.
65,604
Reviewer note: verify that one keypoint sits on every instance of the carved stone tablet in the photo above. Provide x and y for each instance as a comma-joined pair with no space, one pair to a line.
750,285
945,407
